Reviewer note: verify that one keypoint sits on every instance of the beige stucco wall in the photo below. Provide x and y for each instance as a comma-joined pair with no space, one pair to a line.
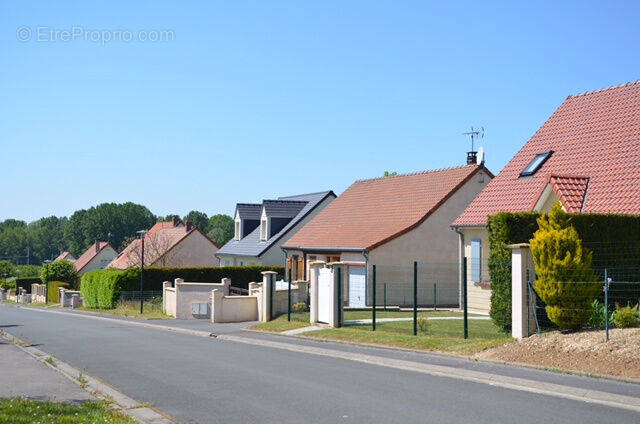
233,308
227,260
101,260
187,293
195,250
478,292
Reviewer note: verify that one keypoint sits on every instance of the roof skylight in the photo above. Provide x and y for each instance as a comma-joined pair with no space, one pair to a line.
536,163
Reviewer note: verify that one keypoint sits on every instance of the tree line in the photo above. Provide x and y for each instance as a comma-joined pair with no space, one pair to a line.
45,238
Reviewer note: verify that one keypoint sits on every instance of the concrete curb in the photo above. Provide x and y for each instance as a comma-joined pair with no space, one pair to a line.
513,383
94,386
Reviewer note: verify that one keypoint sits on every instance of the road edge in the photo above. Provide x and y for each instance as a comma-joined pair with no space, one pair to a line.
97,388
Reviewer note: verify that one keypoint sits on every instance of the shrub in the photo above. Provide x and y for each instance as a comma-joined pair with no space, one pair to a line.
598,314
626,316
28,271
614,240
8,284
424,325
101,288
62,270
566,282
300,307
8,268
52,290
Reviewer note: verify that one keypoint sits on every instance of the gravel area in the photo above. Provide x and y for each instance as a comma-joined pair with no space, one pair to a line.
582,351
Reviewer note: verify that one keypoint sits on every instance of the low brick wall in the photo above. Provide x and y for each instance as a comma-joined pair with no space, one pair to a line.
233,308
178,301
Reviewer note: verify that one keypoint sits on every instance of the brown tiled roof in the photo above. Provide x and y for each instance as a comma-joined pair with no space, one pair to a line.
65,255
91,253
372,212
570,190
595,135
161,238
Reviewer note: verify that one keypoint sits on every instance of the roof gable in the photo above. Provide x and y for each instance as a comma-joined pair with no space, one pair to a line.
94,250
594,135
284,207
372,212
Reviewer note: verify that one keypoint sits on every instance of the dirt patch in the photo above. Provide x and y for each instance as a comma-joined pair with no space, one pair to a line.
583,351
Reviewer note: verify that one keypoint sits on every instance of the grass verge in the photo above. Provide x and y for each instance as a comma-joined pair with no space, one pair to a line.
22,411
280,324
131,309
442,336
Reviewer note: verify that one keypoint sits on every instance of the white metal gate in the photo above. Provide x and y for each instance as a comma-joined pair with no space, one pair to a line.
357,287
325,295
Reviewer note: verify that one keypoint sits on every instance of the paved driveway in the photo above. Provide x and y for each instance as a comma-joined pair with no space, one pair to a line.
204,380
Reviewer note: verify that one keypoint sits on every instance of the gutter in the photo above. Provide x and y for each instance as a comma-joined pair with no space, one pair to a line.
327,249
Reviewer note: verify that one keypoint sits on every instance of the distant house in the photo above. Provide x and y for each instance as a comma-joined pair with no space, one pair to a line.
262,228
585,156
391,222
98,256
67,256
170,244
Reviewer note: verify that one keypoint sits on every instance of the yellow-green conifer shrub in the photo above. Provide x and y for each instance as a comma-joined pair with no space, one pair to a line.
565,280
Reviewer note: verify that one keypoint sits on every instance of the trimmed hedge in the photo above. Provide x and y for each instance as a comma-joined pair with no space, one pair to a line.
613,239
25,282
101,288
52,290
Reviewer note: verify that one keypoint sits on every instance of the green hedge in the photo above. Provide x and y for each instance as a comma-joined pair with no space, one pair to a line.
25,282
613,239
101,288
240,276
52,290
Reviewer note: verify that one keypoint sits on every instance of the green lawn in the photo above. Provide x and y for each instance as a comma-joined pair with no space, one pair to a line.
152,310
444,336
20,411
280,324
353,315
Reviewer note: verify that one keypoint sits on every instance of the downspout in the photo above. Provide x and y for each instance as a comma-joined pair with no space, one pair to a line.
286,259
461,261
365,253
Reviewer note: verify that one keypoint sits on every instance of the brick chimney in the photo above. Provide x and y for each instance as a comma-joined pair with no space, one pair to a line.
176,221
97,245
189,226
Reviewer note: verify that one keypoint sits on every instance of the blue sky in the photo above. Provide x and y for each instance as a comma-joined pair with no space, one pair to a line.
254,100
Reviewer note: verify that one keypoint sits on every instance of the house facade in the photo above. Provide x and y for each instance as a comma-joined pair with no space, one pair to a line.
262,228
585,156
98,256
391,222
170,244
67,256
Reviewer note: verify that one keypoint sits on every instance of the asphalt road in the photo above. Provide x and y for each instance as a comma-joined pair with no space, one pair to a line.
208,380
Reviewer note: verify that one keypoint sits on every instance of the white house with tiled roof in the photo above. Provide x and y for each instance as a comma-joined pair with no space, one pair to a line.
586,156
97,256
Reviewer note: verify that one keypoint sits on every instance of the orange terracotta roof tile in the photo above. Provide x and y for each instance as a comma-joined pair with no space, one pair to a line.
570,190
595,135
372,212
66,256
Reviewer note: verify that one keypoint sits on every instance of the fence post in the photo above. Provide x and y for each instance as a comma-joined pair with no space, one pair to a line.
415,298
289,297
373,310
340,306
606,304
271,293
464,297
434,297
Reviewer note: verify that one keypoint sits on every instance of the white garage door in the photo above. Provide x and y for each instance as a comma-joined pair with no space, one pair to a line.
357,286
325,298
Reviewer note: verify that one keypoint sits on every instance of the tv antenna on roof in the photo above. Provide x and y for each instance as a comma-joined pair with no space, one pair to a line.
473,134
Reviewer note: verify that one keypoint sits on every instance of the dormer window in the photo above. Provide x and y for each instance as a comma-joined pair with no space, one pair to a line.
263,230
536,163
